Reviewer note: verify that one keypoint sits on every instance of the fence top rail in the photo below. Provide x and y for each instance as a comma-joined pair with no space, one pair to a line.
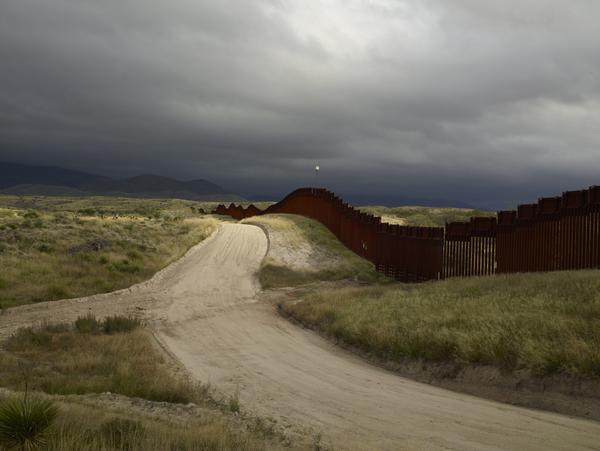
570,202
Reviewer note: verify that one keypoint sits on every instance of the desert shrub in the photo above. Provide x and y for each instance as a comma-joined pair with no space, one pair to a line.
119,324
133,255
25,423
87,324
30,337
56,328
46,248
54,292
234,402
126,267
30,214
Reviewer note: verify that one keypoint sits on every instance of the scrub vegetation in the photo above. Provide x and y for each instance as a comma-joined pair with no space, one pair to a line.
423,216
80,427
50,255
547,323
93,356
116,355
111,206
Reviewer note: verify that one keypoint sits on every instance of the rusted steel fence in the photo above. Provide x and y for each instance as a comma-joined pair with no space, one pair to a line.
470,248
410,254
556,233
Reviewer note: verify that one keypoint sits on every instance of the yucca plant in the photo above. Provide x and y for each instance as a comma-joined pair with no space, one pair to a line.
25,423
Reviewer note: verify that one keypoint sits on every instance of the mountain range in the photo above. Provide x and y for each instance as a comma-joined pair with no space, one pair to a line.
21,179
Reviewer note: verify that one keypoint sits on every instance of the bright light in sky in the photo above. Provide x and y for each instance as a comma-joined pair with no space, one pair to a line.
351,28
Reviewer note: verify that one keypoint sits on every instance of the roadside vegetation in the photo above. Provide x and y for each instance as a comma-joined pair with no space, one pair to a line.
423,216
80,427
304,251
546,323
117,356
47,256
111,206
90,356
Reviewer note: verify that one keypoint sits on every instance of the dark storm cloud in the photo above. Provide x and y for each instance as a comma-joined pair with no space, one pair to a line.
485,102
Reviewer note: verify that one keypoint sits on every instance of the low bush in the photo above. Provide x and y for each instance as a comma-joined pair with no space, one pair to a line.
120,324
88,324
25,423
126,267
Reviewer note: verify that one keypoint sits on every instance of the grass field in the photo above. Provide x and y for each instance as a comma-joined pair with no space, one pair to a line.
547,323
49,255
91,357
111,206
60,359
423,216
80,427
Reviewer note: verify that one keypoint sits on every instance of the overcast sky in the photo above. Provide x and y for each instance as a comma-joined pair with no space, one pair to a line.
487,102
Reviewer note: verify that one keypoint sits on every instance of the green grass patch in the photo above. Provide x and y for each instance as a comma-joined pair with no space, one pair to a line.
547,323
61,359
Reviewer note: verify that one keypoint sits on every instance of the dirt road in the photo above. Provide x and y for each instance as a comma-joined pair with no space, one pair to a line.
205,310
218,329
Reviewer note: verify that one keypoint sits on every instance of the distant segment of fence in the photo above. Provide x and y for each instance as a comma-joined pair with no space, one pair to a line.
556,233
410,254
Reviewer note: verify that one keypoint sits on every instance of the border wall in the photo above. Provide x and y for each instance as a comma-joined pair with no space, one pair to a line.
556,233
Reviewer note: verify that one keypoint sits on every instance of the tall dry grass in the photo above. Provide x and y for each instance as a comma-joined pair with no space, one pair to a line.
81,426
61,359
547,323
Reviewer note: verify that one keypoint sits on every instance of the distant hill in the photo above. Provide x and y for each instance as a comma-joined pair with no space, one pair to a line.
20,179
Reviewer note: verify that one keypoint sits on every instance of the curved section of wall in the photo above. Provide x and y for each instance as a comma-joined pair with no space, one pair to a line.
409,254
556,233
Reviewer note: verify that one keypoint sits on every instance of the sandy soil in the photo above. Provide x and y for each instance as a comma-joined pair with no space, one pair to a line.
289,247
206,311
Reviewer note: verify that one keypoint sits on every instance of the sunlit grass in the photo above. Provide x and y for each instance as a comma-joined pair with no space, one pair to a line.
548,323
48,256
423,216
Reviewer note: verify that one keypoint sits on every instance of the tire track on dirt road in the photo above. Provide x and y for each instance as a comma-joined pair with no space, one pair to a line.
218,329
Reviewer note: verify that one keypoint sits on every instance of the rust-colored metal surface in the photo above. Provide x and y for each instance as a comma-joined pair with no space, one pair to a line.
409,254
556,233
